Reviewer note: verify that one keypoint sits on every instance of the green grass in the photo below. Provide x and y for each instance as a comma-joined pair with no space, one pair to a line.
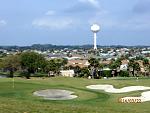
21,100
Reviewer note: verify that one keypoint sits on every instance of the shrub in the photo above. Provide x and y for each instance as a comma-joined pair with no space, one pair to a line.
124,74
25,74
106,73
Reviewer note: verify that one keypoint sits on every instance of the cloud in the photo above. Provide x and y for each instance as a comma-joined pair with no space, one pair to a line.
81,8
130,22
135,19
53,23
92,2
105,19
50,12
142,7
84,6
138,23
55,20
3,22
140,16
89,11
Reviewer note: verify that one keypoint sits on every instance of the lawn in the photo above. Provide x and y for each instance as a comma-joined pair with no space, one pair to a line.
21,99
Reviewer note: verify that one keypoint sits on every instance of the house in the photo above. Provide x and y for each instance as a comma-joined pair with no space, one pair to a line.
107,62
123,62
67,73
124,65
80,63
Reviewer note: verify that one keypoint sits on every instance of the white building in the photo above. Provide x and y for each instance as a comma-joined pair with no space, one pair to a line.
124,67
67,73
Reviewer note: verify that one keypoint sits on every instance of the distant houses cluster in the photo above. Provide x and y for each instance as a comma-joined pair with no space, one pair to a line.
80,57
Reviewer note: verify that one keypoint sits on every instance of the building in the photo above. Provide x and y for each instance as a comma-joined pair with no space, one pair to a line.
124,65
67,73
80,63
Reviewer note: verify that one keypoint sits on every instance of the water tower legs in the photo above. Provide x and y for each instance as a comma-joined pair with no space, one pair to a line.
95,46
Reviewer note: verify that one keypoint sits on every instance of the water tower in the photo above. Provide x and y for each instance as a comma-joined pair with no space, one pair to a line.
95,28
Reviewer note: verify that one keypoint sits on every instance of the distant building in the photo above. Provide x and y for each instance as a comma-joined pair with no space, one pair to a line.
124,67
80,63
55,56
50,74
67,73
145,52
107,62
125,62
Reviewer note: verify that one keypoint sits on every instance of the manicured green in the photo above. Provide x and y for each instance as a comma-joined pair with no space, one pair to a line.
21,99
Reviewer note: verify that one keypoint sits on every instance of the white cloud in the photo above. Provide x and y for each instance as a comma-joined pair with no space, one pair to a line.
132,22
52,20
137,23
104,19
50,12
104,22
93,2
3,22
53,23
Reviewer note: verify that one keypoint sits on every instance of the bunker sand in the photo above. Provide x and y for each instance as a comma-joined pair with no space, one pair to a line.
55,94
145,96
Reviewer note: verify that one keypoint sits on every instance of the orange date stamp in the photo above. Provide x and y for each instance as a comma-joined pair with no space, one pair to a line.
130,100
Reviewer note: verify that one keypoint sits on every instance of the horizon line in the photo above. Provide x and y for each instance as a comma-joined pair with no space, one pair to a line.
76,45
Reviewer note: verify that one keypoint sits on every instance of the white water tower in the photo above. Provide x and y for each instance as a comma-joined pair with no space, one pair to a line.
95,28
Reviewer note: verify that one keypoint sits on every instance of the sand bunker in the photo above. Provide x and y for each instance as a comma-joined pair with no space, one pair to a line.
111,89
145,96
55,94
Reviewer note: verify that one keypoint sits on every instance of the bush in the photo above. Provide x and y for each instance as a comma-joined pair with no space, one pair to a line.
84,72
107,73
25,74
11,74
124,74
40,75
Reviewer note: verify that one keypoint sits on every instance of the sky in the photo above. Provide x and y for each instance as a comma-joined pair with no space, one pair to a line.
68,22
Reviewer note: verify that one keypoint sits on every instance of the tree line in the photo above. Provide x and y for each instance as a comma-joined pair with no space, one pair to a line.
31,63
28,63
133,67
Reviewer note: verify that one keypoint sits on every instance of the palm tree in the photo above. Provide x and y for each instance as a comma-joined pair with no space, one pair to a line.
148,70
100,70
114,65
134,66
131,63
94,63
146,65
